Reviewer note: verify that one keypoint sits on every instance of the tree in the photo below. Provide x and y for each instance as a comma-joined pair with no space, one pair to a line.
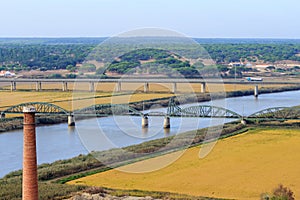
71,76
270,68
55,76
87,68
71,68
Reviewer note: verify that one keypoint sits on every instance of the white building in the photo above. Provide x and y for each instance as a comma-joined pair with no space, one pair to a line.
7,74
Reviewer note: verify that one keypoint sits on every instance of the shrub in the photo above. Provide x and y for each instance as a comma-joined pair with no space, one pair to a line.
283,193
279,193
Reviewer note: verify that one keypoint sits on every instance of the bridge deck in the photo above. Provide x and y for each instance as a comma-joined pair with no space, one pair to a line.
128,80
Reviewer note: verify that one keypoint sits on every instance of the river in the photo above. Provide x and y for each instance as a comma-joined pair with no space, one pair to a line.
59,141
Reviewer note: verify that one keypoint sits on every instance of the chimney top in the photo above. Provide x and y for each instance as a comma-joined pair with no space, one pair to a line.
29,109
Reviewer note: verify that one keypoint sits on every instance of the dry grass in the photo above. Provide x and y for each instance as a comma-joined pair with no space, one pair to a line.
240,167
70,100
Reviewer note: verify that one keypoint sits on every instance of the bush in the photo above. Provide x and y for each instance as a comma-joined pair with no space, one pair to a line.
55,76
283,193
279,193
71,76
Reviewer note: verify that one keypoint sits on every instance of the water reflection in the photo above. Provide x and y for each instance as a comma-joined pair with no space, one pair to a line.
145,132
167,132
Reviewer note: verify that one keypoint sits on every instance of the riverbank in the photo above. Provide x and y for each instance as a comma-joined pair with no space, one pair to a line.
9,124
51,176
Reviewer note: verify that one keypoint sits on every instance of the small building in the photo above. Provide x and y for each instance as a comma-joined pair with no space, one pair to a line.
235,64
7,74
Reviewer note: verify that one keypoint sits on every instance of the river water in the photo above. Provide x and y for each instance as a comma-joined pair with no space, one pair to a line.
59,141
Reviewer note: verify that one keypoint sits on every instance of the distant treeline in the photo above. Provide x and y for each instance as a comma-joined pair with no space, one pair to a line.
49,54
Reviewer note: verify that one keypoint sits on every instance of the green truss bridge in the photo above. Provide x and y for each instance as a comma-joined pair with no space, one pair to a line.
173,110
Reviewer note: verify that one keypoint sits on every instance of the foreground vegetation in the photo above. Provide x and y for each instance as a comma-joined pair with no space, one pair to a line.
83,165
51,176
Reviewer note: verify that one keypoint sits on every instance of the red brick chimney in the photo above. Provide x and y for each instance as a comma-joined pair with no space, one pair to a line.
30,181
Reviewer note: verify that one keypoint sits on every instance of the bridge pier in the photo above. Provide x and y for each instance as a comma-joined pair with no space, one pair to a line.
64,86
203,87
119,87
13,86
146,87
174,88
2,116
92,87
256,92
145,122
167,123
243,121
71,120
38,86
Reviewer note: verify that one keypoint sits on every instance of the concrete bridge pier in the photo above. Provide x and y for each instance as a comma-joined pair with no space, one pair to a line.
92,87
119,87
64,86
174,88
145,122
167,123
243,121
38,86
71,120
146,87
256,92
203,87
2,116
13,86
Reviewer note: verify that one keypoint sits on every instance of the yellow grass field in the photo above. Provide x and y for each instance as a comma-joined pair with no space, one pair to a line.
239,167
80,99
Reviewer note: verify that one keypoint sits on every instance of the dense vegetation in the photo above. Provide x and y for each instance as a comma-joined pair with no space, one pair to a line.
43,54
43,57
269,53
156,61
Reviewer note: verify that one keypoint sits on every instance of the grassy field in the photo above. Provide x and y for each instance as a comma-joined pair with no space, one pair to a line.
239,167
80,99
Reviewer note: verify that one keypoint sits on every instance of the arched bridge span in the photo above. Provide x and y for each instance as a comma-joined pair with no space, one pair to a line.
40,107
104,110
277,113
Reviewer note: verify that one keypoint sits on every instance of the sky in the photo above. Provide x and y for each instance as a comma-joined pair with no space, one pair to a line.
193,18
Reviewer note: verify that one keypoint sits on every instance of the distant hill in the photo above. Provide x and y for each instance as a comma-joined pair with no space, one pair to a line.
152,61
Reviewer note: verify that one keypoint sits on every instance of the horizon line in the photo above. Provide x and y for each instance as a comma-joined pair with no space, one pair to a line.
87,37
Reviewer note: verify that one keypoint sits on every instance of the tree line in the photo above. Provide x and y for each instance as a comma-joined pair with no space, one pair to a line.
19,56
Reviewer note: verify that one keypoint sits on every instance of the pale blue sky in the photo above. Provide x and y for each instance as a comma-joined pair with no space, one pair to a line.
195,18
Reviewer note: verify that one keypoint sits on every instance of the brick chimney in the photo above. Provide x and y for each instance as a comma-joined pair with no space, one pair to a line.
30,181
